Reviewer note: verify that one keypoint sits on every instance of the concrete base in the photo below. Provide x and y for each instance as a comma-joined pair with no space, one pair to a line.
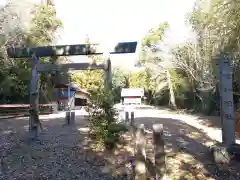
126,117
132,116
220,155
34,133
129,120
70,117
224,155
67,117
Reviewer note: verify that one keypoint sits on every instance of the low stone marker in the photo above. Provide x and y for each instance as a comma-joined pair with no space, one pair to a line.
132,125
126,117
140,169
132,116
70,117
143,167
159,153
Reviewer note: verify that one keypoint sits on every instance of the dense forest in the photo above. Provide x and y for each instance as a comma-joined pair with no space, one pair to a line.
189,81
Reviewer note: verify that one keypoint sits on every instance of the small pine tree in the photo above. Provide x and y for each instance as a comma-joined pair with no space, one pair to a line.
103,118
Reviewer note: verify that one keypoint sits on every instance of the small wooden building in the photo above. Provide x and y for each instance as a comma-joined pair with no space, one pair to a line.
132,95
70,94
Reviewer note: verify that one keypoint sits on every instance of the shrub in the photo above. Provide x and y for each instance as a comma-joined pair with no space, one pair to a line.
103,118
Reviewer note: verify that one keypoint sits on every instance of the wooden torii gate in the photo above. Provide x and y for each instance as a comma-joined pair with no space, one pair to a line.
63,50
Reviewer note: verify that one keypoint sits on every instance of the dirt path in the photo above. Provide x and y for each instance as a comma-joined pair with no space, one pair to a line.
187,140
65,152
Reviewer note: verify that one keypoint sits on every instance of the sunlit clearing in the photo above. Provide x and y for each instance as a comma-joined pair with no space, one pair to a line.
7,132
83,130
26,128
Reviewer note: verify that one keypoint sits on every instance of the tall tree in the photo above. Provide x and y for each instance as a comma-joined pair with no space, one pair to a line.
38,30
156,67
216,24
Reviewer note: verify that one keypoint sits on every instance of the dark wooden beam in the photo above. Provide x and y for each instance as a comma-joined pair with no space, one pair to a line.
125,47
66,67
69,50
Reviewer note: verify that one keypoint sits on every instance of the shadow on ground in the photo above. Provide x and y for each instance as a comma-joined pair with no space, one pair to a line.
62,153
215,122
65,152
209,121
187,151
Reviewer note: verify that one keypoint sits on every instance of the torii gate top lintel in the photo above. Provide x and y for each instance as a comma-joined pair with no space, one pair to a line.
69,50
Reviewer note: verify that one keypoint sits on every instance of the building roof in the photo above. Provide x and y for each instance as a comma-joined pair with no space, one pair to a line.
132,92
73,87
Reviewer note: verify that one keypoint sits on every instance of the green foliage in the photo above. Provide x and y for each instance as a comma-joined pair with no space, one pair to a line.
119,80
91,80
191,70
102,118
220,20
43,25
152,61
216,25
149,54
155,36
139,79
15,75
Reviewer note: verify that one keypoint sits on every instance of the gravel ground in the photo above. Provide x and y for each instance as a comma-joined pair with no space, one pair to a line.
65,152
61,154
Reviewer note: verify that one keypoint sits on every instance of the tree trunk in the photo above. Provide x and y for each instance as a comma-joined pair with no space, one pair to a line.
171,92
